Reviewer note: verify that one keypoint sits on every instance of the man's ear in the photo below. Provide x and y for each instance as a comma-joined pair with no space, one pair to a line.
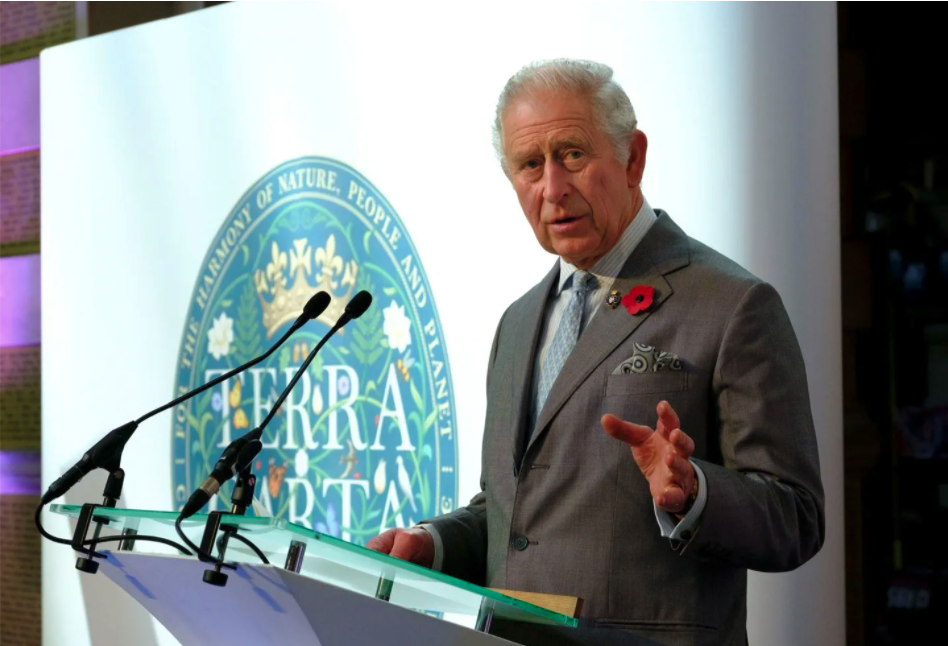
635,169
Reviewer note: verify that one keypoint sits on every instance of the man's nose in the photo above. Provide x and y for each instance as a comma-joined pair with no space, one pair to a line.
556,182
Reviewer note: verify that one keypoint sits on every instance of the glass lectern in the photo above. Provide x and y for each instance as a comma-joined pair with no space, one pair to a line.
318,589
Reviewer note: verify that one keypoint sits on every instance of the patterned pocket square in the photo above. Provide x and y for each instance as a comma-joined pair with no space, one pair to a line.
648,359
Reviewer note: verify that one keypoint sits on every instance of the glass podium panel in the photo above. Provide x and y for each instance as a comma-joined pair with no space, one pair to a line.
326,558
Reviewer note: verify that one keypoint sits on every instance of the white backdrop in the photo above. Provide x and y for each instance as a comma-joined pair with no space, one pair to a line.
150,135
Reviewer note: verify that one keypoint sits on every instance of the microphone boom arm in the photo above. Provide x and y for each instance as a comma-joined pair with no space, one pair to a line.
107,452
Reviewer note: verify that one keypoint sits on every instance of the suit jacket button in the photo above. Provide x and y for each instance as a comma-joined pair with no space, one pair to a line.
520,542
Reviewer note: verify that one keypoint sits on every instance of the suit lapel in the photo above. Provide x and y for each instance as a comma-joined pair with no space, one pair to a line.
663,250
527,333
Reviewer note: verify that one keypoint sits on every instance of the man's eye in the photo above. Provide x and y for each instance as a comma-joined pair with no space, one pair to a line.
531,165
574,154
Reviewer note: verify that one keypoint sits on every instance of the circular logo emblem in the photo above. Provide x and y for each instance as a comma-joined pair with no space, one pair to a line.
366,440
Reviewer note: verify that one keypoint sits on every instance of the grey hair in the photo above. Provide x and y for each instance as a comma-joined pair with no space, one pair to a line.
612,108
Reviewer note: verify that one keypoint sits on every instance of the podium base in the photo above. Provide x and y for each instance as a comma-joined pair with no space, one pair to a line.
265,605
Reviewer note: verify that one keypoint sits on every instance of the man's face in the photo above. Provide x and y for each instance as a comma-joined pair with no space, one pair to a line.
575,194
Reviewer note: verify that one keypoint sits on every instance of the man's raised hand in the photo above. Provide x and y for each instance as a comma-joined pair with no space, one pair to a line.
662,455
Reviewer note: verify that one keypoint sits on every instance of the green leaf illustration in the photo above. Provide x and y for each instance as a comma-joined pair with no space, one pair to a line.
416,397
367,335
372,358
249,337
316,368
425,489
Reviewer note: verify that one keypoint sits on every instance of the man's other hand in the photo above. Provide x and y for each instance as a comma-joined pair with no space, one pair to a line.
414,545
662,455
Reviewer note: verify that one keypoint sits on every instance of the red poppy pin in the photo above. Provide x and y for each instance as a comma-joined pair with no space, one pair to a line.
638,299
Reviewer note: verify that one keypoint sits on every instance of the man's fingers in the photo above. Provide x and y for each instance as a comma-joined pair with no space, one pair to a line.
406,546
672,499
678,465
630,433
383,542
413,544
667,417
683,444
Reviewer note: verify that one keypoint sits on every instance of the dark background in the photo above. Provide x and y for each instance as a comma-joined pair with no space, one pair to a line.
894,231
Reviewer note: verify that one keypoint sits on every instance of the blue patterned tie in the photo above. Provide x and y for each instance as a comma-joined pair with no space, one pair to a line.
565,339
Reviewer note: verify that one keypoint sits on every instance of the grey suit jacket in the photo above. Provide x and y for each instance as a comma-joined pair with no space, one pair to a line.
567,511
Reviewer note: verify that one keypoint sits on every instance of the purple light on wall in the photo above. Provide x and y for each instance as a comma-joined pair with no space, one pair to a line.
19,473
20,105
19,275
19,132
20,300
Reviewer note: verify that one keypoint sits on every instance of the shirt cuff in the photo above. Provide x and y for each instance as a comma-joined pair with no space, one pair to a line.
681,531
438,547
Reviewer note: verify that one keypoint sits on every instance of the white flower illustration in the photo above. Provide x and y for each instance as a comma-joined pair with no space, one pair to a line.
397,327
301,463
220,336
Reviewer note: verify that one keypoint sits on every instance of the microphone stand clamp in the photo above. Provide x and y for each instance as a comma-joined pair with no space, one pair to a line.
241,498
107,455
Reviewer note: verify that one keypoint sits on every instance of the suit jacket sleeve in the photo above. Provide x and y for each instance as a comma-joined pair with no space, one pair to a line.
463,532
765,504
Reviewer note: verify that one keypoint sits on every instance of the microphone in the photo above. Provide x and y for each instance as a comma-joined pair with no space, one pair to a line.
354,309
232,461
313,308
107,452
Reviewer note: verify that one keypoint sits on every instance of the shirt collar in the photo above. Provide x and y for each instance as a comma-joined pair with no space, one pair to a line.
608,267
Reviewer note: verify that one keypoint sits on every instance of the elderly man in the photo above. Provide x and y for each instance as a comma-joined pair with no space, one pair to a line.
648,435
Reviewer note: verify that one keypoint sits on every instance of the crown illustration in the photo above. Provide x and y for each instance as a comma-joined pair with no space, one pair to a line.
308,272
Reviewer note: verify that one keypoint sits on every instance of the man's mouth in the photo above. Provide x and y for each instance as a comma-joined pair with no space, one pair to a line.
565,222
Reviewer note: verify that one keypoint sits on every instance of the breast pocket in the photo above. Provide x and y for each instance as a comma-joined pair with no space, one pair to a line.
646,383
